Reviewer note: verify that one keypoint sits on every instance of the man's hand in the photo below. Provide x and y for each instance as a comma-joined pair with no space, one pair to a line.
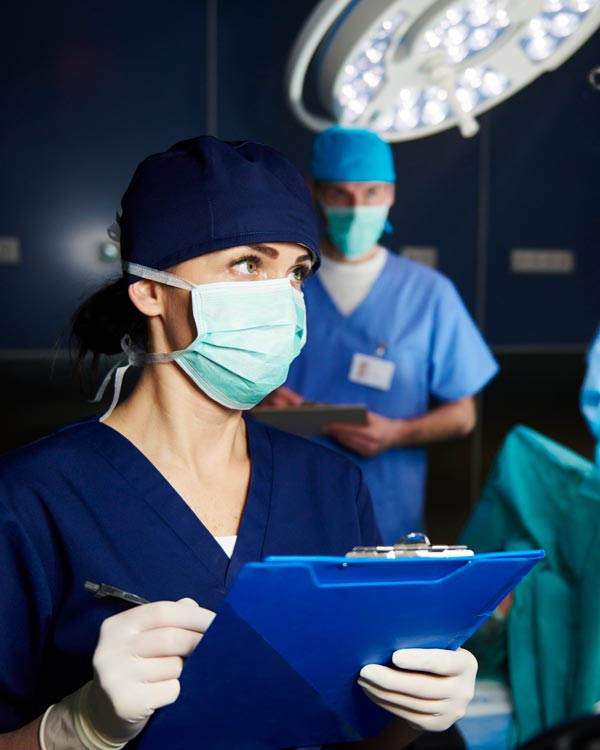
450,420
378,435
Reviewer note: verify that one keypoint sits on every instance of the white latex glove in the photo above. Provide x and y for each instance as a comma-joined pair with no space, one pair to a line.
138,661
430,688
137,664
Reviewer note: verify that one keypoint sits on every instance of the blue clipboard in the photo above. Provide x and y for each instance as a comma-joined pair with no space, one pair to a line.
278,666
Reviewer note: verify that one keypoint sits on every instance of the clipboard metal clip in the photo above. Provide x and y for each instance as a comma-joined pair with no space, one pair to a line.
415,544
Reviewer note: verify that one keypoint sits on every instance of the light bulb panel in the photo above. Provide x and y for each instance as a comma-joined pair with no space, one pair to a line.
411,68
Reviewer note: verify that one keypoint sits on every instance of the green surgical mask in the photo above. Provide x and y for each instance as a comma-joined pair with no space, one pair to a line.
355,229
248,334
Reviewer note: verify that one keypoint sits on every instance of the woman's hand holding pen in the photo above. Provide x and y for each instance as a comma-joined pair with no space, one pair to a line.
138,661
137,664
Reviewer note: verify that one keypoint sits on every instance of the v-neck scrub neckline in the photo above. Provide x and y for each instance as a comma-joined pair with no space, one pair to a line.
166,502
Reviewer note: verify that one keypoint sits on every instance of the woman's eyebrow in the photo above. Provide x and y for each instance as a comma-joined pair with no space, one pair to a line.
272,252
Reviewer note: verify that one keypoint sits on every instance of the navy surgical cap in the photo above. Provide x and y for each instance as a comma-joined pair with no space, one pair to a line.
351,155
204,194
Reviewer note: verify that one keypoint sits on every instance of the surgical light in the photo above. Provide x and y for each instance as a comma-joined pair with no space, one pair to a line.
411,68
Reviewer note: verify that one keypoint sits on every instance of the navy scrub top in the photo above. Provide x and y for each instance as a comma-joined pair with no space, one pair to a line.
85,504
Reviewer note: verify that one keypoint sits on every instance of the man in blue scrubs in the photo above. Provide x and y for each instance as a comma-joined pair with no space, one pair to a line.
385,331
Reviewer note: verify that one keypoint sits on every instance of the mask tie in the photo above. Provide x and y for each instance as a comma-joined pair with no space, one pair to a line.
135,356
118,370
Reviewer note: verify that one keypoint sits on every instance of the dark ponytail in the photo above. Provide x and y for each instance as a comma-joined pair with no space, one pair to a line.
101,322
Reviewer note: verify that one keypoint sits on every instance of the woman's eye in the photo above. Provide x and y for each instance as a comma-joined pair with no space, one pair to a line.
247,265
300,273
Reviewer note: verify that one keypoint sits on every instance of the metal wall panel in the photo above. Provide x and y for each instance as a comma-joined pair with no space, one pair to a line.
89,89
93,87
545,193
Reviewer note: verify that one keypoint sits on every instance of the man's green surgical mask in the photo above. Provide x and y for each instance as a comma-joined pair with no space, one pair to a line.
248,334
355,229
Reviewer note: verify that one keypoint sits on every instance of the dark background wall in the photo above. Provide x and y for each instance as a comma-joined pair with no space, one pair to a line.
91,88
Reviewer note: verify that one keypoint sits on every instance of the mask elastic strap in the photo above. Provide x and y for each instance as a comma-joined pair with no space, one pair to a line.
145,272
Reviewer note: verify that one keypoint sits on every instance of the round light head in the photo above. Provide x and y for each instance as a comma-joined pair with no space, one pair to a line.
411,68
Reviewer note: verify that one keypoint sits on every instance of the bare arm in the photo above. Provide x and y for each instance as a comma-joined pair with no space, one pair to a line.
451,420
26,738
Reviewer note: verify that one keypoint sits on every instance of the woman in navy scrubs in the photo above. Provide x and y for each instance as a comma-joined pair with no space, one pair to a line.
173,490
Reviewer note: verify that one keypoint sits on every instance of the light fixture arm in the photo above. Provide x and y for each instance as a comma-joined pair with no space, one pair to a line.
300,57
443,76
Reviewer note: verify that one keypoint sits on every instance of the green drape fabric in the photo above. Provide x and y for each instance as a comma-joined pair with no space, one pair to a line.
540,494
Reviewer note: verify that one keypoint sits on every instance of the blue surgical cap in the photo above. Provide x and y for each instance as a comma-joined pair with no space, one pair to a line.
204,194
351,155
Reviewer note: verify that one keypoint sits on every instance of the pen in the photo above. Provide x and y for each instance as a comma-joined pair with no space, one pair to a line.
104,591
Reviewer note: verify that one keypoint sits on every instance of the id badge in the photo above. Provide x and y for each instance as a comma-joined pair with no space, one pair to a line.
372,371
